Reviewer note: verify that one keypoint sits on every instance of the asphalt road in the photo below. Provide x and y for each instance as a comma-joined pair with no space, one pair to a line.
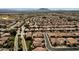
23,39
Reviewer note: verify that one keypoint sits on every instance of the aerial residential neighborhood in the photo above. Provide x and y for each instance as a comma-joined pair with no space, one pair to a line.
39,30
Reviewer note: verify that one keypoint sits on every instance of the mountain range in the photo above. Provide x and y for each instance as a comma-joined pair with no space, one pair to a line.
23,10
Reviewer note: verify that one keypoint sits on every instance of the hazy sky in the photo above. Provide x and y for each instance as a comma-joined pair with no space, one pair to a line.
39,8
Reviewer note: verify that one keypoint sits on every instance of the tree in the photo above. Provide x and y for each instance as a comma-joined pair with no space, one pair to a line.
27,25
13,32
0,34
65,42
55,44
0,26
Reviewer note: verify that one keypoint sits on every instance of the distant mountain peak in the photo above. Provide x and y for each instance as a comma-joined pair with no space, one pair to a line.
44,9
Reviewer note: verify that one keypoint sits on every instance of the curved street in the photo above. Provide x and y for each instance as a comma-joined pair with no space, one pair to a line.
51,48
